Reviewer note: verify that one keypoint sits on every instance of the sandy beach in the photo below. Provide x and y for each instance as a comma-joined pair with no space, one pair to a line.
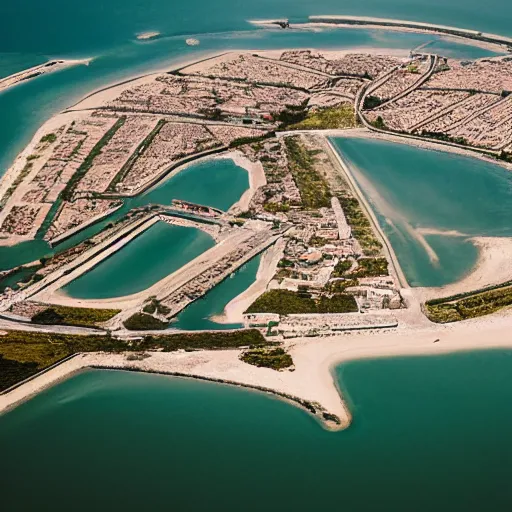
48,67
256,178
494,266
314,360
234,310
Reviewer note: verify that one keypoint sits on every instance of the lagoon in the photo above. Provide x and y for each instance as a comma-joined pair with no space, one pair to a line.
158,252
197,316
429,433
421,195
203,183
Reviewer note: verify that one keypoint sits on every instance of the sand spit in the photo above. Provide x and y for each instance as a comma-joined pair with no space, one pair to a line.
312,380
494,266
395,267
491,41
145,36
43,69
256,178
234,310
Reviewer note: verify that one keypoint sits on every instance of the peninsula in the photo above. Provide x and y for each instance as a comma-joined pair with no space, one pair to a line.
329,287
31,73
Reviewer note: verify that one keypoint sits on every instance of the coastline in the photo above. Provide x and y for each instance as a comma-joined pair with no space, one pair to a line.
387,247
234,310
493,267
413,26
364,133
29,74
312,380
342,22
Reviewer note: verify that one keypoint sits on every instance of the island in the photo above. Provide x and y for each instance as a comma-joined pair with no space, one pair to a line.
329,287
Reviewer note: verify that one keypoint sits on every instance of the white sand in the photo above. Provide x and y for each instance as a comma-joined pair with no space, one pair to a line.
234,310
314,360
494,266
256,178
144,36
42,69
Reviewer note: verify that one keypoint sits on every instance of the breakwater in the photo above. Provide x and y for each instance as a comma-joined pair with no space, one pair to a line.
365,21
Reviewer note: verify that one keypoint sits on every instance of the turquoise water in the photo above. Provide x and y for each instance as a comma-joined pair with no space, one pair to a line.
429,433
96,25
196,317
413,189
158,252
109,38
36,101
203,183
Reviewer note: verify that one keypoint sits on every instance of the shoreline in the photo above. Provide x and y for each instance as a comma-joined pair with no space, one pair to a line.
386,244
234,310
493,267
415,26
29,74
341,24
313,381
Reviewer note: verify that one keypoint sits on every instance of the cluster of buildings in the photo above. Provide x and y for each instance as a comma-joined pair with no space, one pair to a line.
469,103
363,66
120,146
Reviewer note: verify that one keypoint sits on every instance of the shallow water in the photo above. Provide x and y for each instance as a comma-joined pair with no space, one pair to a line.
202,183
429,433
197,315
413,189
142,262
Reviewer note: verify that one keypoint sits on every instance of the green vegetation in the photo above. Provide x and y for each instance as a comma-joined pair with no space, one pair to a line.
143,322
318,241
23,353
341,268
276,207
379,123
285,262
290,116
241,141
143,146
21,176
361,227
283,302
155,305
67,193
342,116
64,315
371,102
341,285
367,267
314,190
464,306
505,155
371,267
443,137
275,358
339,303
286,302
49,137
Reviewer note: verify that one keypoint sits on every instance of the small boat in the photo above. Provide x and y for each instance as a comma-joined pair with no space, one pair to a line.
192,42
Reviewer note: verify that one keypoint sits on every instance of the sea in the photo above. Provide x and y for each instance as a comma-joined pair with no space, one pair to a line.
429,433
